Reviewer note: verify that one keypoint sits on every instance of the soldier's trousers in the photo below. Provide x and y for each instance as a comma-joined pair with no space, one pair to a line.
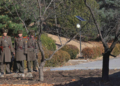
29,65
20,66
3,66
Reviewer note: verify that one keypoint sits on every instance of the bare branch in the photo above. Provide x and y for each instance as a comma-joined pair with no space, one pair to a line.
116,36
20,18
48,6
45,4
39,3
40,32
56,22
97,25
61,47
8,9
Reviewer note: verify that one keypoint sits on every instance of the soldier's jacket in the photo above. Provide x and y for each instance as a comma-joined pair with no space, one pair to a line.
6,44
20,48
32,49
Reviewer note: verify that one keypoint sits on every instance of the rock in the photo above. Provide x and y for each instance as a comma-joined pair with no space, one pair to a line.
2,75
29,75
21,75
16,75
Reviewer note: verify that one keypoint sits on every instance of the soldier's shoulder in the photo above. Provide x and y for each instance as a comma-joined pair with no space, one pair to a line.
0,37
9,36
25,38
35,38
16,38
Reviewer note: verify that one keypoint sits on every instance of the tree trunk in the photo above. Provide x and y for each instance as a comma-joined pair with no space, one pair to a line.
105,68
41,74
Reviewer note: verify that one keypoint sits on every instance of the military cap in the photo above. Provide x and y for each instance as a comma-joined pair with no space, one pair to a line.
5,30
32,32
19,31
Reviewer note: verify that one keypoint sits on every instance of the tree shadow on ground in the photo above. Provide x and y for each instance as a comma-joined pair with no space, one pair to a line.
94,81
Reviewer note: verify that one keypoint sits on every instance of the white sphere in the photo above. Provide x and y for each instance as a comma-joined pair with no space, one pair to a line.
78,26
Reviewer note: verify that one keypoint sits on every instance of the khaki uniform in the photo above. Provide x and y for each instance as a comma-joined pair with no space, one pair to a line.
32,51
7,48
20,53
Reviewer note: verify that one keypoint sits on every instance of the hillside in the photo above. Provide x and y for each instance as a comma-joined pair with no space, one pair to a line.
75,42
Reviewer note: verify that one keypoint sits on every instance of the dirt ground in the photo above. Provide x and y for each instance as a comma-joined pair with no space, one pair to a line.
67,78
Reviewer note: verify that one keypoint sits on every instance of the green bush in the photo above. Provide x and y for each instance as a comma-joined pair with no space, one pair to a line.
72,50
48,42
58,59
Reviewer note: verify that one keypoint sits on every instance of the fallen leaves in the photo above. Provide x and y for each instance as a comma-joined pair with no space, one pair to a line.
43,84
73,80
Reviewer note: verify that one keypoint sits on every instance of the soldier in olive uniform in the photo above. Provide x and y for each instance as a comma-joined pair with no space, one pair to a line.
20,50
7,49
32,51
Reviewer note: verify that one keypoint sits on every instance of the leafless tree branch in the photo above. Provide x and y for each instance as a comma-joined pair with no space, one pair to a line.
97,25
61,47
48,7
20,18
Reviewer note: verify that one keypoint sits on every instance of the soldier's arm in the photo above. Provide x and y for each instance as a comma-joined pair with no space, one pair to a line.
15,44
11,47
0,40
36,47
25,46
0,44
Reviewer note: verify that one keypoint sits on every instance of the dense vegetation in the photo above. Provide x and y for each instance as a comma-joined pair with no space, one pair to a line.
66,21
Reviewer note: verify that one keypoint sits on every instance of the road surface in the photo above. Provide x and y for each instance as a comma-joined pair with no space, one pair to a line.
114,64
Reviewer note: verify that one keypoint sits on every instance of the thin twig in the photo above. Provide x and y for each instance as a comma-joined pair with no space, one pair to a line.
20,18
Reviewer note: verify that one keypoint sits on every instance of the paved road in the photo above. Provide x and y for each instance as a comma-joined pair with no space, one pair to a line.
114,64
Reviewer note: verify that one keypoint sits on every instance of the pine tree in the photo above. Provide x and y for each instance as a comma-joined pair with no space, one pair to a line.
109,12
9,19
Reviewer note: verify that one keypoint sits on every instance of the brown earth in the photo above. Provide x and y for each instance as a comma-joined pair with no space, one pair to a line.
65,78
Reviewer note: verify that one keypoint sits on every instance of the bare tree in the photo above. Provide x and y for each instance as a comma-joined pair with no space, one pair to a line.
104,38
40,11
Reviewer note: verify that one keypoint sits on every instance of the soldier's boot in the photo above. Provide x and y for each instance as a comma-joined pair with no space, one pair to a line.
2,74
2,68
29,66
34,66
18,67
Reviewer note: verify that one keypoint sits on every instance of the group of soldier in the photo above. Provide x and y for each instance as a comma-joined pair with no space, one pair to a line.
23,49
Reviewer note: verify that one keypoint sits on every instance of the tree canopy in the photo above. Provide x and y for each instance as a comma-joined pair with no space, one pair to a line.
65,16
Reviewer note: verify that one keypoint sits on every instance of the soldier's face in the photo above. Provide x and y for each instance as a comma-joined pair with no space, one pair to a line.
20,35
4,34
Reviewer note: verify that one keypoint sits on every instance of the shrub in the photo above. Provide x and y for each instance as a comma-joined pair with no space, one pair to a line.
92,52
48,42
116,50
97,51
72,50
58,58
87,53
